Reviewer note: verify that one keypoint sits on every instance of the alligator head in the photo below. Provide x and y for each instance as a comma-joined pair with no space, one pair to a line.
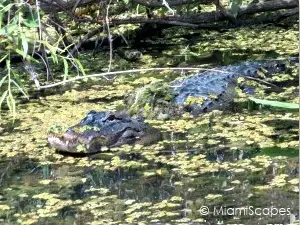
99,130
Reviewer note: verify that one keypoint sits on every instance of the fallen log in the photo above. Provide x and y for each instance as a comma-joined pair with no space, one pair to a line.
63,5
197,19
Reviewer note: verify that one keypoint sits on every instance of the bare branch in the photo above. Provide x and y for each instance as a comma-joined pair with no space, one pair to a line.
104,75
84,39
155,3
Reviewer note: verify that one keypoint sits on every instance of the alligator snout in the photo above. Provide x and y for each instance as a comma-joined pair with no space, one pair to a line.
104,129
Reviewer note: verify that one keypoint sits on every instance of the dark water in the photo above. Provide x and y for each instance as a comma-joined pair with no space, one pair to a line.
176,197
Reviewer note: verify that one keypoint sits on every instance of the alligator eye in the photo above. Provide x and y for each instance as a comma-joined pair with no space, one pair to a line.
111,117
279,65
132,137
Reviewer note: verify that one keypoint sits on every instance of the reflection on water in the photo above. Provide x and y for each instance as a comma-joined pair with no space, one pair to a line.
158,193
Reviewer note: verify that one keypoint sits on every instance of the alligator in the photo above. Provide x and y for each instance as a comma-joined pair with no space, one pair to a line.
111,129
214,88
99,131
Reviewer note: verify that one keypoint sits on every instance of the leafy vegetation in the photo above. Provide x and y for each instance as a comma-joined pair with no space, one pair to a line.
22,36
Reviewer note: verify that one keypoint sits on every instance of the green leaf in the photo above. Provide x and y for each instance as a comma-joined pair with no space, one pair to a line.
25,46
6,8
11,103
3,97
8,29
2,80
66,68
4,57
8,64
284,105
31,59
31,23
54,57
53,50
80,66
27,57
19,51
1,19
20,88
32,20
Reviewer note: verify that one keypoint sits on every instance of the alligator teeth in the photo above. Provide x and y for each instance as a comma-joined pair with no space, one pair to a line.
104,148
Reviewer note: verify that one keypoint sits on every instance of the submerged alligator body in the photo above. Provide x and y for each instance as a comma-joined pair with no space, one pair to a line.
215,87
104,129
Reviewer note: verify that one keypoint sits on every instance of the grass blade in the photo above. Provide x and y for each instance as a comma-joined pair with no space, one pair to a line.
278,104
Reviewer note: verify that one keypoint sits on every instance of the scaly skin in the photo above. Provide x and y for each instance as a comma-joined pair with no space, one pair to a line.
213,85
104,129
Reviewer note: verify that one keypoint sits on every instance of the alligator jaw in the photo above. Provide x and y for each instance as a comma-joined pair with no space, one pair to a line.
62,143
69,142
113,129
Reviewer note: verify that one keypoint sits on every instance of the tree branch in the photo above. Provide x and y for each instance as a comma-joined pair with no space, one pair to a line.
202,18
62,5
268,6
155,3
